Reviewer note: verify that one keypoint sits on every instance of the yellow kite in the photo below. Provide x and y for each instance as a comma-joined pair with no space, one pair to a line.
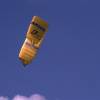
34,37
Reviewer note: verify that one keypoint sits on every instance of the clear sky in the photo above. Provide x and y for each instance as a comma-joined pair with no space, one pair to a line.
67,66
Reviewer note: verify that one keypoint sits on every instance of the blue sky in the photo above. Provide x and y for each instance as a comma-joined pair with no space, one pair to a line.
67,66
